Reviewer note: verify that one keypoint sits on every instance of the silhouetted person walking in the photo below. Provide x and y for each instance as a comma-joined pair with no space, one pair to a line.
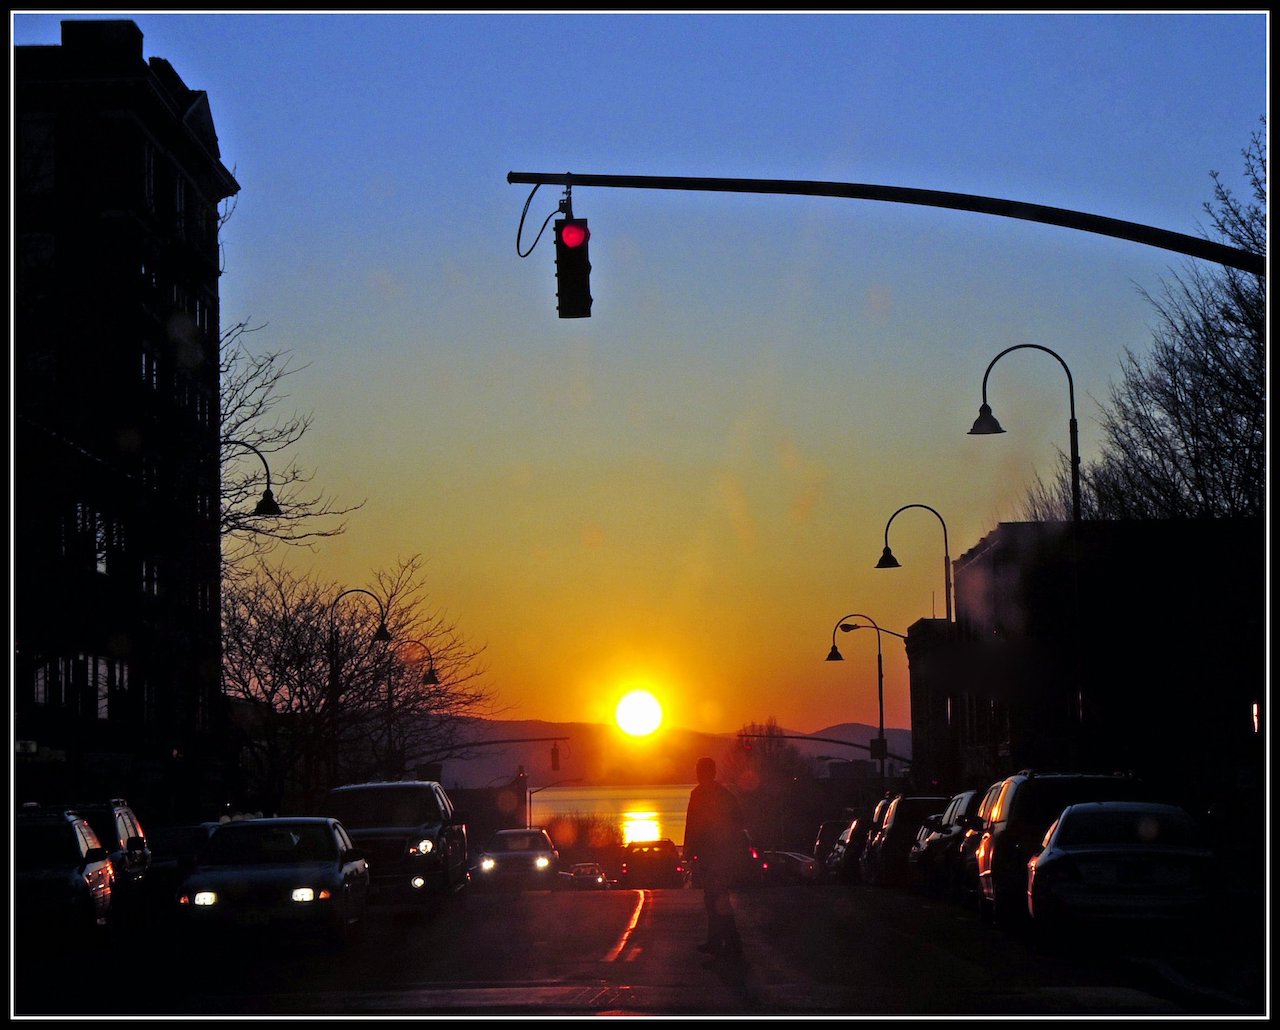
714,840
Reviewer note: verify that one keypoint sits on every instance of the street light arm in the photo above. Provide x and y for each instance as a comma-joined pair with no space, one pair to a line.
1206,250
985,411
429,678
946,547
267,505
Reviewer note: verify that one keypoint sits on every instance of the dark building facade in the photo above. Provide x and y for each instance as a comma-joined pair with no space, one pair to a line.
1134,646
118,180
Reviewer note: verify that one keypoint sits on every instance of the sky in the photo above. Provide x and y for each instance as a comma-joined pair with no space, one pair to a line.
689,489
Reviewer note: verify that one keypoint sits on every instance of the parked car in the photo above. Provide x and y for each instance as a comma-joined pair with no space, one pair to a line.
933,862
1027,805
791,867
652,863
118,828
414,838
872,828
63,880
1132,863
969,892
842,862
753,871
587,876
518,860
829,831
289,873
885,859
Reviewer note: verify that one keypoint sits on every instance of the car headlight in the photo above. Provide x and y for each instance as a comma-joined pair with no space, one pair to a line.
542,861
305,894
486,864
423,847
204,898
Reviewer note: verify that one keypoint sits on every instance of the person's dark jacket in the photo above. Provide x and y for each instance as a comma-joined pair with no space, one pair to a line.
713,831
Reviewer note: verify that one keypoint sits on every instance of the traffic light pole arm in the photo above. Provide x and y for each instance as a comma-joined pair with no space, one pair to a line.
1207,250
824,740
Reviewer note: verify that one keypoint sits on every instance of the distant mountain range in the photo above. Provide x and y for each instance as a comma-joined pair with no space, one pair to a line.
596,754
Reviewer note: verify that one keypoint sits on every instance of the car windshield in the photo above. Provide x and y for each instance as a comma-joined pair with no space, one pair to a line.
519,842
248,844
384,806
653,847
1170,829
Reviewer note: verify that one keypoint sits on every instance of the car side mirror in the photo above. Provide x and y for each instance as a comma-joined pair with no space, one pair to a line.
94,855
458,818
353,855
135,844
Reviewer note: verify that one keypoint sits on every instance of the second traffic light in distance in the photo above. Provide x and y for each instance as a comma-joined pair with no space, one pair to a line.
573,268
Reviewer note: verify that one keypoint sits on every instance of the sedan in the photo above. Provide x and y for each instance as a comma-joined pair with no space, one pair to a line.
293,873
588,876
791,867
518,860
1120,862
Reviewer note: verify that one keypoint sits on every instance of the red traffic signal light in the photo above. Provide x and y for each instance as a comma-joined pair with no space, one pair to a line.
574,233
573,268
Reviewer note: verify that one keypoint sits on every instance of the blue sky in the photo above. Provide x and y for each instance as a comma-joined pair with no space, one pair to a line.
689,488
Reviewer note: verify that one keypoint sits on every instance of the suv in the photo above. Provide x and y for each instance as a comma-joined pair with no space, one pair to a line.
414,839
62,885
885,859
651,863
1025,806
117,827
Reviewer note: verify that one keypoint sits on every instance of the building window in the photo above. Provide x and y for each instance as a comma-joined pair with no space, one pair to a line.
36,153
151,577
149,175
150,369
180,207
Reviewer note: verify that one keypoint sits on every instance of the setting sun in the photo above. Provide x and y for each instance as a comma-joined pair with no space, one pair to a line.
638,713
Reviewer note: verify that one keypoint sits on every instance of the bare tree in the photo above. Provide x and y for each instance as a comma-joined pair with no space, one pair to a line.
252,431
1184,435
318,698
764,769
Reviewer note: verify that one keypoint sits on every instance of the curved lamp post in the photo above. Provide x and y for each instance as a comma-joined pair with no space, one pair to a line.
888,561
986,424
267,505
528,797
834,655
380,634
429,678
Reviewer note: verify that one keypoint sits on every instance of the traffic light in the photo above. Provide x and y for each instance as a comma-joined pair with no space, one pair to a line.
573,268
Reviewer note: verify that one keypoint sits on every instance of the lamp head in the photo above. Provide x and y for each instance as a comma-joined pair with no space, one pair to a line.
268,505
383,634
849,627
985,424
834,654
429,678
887,560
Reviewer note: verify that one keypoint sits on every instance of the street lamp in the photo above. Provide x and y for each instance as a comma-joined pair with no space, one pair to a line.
528,798
888,561
881,748
986,424
381,634
429,678
267,506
